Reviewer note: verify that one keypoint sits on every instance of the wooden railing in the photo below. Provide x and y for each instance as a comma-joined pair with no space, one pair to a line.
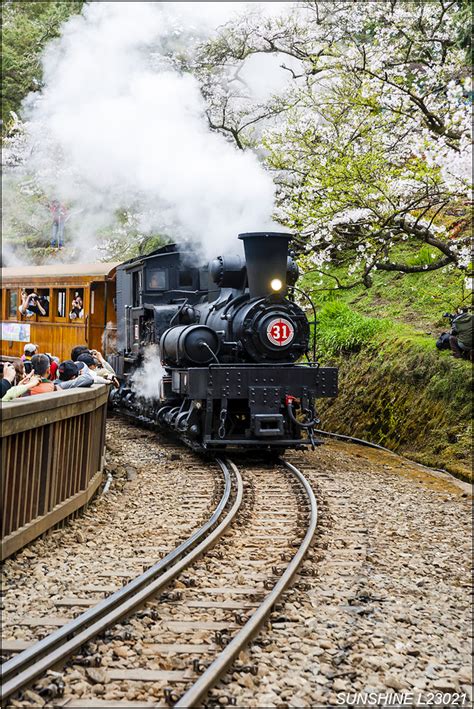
52,459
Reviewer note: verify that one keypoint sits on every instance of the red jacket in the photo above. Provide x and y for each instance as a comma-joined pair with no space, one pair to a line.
44,387
52,370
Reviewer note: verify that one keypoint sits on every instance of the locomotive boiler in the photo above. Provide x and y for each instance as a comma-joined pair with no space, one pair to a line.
220,354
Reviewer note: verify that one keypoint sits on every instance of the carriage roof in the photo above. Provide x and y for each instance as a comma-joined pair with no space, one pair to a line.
85,272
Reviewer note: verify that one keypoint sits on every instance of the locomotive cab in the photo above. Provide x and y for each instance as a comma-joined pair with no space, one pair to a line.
151,292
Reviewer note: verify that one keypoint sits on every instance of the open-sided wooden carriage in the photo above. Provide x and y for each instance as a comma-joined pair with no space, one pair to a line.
59,287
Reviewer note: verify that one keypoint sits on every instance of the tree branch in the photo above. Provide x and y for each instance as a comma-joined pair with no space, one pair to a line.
405,268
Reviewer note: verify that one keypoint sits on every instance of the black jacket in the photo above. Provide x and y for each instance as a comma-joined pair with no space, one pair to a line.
6,385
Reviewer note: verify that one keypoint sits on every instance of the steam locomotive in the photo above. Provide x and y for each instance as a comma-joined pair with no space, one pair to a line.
231,337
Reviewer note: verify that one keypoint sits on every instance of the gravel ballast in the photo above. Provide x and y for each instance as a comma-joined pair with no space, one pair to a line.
382,602
388,607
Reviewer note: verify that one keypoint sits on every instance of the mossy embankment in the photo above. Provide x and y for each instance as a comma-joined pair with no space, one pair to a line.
395,387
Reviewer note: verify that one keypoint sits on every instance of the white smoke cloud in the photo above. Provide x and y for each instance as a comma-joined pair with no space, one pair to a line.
145,381
117,125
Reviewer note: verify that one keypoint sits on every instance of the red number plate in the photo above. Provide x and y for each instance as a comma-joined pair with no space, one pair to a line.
280,332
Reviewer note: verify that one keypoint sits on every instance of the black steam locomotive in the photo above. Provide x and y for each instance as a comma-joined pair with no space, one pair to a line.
230,335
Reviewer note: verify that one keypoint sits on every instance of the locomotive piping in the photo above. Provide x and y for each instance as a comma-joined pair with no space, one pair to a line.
301,424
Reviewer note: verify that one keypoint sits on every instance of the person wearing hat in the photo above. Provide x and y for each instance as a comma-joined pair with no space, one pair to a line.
29,351
86,362
70,377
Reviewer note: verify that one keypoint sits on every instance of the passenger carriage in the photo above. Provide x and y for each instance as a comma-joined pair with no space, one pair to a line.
62,326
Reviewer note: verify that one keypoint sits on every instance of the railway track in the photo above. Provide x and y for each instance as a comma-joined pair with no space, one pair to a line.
169,635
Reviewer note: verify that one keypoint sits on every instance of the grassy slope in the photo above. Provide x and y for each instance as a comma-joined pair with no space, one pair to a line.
396,388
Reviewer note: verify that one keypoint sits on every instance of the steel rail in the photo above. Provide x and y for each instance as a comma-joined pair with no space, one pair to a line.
352,439
377,446
217,668
25,667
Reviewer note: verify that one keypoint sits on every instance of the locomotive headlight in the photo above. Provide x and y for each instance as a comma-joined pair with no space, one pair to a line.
276,284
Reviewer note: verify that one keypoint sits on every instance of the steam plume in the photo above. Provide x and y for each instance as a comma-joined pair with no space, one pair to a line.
118,125
145,381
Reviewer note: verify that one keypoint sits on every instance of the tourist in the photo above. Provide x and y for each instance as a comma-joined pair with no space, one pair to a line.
28,303
29,382
42,366
58,213
77,307
29,351
69,376
8,377
86,362
460,339
78,350
104,368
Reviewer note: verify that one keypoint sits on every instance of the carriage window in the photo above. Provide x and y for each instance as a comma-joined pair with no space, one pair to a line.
156,280
185,279
60,296
76,307
34,301
43,302
137,288
12,300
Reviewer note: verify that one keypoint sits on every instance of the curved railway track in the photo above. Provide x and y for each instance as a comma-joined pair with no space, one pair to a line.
220,600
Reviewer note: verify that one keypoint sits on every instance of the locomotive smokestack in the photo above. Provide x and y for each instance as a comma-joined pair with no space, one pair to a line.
266,254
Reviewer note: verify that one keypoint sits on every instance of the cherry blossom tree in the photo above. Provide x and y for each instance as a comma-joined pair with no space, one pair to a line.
370,144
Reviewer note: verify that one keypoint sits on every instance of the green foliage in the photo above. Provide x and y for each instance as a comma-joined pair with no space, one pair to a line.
408,397
341,330
415,300
396,388
26,28
464,22
423,257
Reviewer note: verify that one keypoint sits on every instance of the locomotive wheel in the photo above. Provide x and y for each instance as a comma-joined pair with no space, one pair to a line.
180,422
162,413
172,416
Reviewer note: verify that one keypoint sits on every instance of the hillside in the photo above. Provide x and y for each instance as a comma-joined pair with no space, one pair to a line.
396,388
